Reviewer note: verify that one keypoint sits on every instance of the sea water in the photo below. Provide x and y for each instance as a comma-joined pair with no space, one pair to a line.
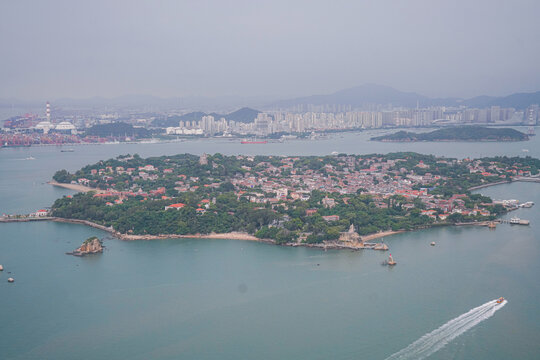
226,299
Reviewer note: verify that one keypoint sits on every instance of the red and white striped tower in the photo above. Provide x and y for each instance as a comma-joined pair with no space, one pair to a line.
48,112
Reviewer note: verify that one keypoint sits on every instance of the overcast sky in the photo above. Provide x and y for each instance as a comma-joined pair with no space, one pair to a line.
283,48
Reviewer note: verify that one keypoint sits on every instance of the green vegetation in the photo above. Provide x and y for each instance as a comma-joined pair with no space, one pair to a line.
459,133
117,129
90,239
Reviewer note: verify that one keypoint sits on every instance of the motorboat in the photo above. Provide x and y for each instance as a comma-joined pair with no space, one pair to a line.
500,300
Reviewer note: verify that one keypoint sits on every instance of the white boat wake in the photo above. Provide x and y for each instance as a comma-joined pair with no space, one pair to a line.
437,339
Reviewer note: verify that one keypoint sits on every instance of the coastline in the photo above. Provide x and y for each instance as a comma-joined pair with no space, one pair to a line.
488,185
235,235
75,187
128,237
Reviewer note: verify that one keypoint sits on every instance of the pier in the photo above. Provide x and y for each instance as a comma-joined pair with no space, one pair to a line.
535,179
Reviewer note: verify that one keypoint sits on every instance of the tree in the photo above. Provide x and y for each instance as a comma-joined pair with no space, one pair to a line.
63,176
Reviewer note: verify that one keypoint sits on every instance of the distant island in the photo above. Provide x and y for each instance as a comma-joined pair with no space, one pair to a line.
458,133
338,201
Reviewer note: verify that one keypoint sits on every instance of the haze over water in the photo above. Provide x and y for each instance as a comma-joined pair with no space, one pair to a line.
225,299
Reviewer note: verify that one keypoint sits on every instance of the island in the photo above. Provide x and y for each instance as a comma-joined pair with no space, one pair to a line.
458,133
340,200
92,245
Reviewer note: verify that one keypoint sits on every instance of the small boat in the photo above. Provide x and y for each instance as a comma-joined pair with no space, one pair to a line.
432,243
500,300
391,261
245,141
67,150
30,158
492,225
10,280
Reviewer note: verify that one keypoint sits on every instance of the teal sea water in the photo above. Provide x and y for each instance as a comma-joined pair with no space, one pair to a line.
226,299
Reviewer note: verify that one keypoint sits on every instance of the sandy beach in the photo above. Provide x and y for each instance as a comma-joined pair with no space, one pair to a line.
76,187
381,234
230,236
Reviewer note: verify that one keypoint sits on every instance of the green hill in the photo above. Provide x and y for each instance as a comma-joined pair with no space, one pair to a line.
244,115
459,133
117,129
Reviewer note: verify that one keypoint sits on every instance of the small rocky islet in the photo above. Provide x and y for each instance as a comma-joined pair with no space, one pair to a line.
91,245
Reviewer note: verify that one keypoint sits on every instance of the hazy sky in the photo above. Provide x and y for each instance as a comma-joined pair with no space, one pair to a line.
54,49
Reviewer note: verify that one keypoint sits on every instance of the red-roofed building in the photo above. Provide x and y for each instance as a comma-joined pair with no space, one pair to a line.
175,206
41,212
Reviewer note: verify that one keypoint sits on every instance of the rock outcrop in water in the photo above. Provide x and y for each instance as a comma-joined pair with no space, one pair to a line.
89,246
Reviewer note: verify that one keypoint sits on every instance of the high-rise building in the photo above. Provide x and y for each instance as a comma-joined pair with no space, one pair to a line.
262,123
531,115
495,114
208,124
48,111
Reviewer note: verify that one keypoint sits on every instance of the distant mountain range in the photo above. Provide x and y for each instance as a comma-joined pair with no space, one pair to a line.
357,97
372,94
244,115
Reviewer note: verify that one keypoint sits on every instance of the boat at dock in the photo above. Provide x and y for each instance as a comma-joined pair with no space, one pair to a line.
518,221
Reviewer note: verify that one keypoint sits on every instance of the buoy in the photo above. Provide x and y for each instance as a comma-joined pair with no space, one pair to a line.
1,268
10,280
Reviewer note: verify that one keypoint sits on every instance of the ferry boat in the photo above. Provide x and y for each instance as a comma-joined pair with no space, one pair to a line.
518,221
500,300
